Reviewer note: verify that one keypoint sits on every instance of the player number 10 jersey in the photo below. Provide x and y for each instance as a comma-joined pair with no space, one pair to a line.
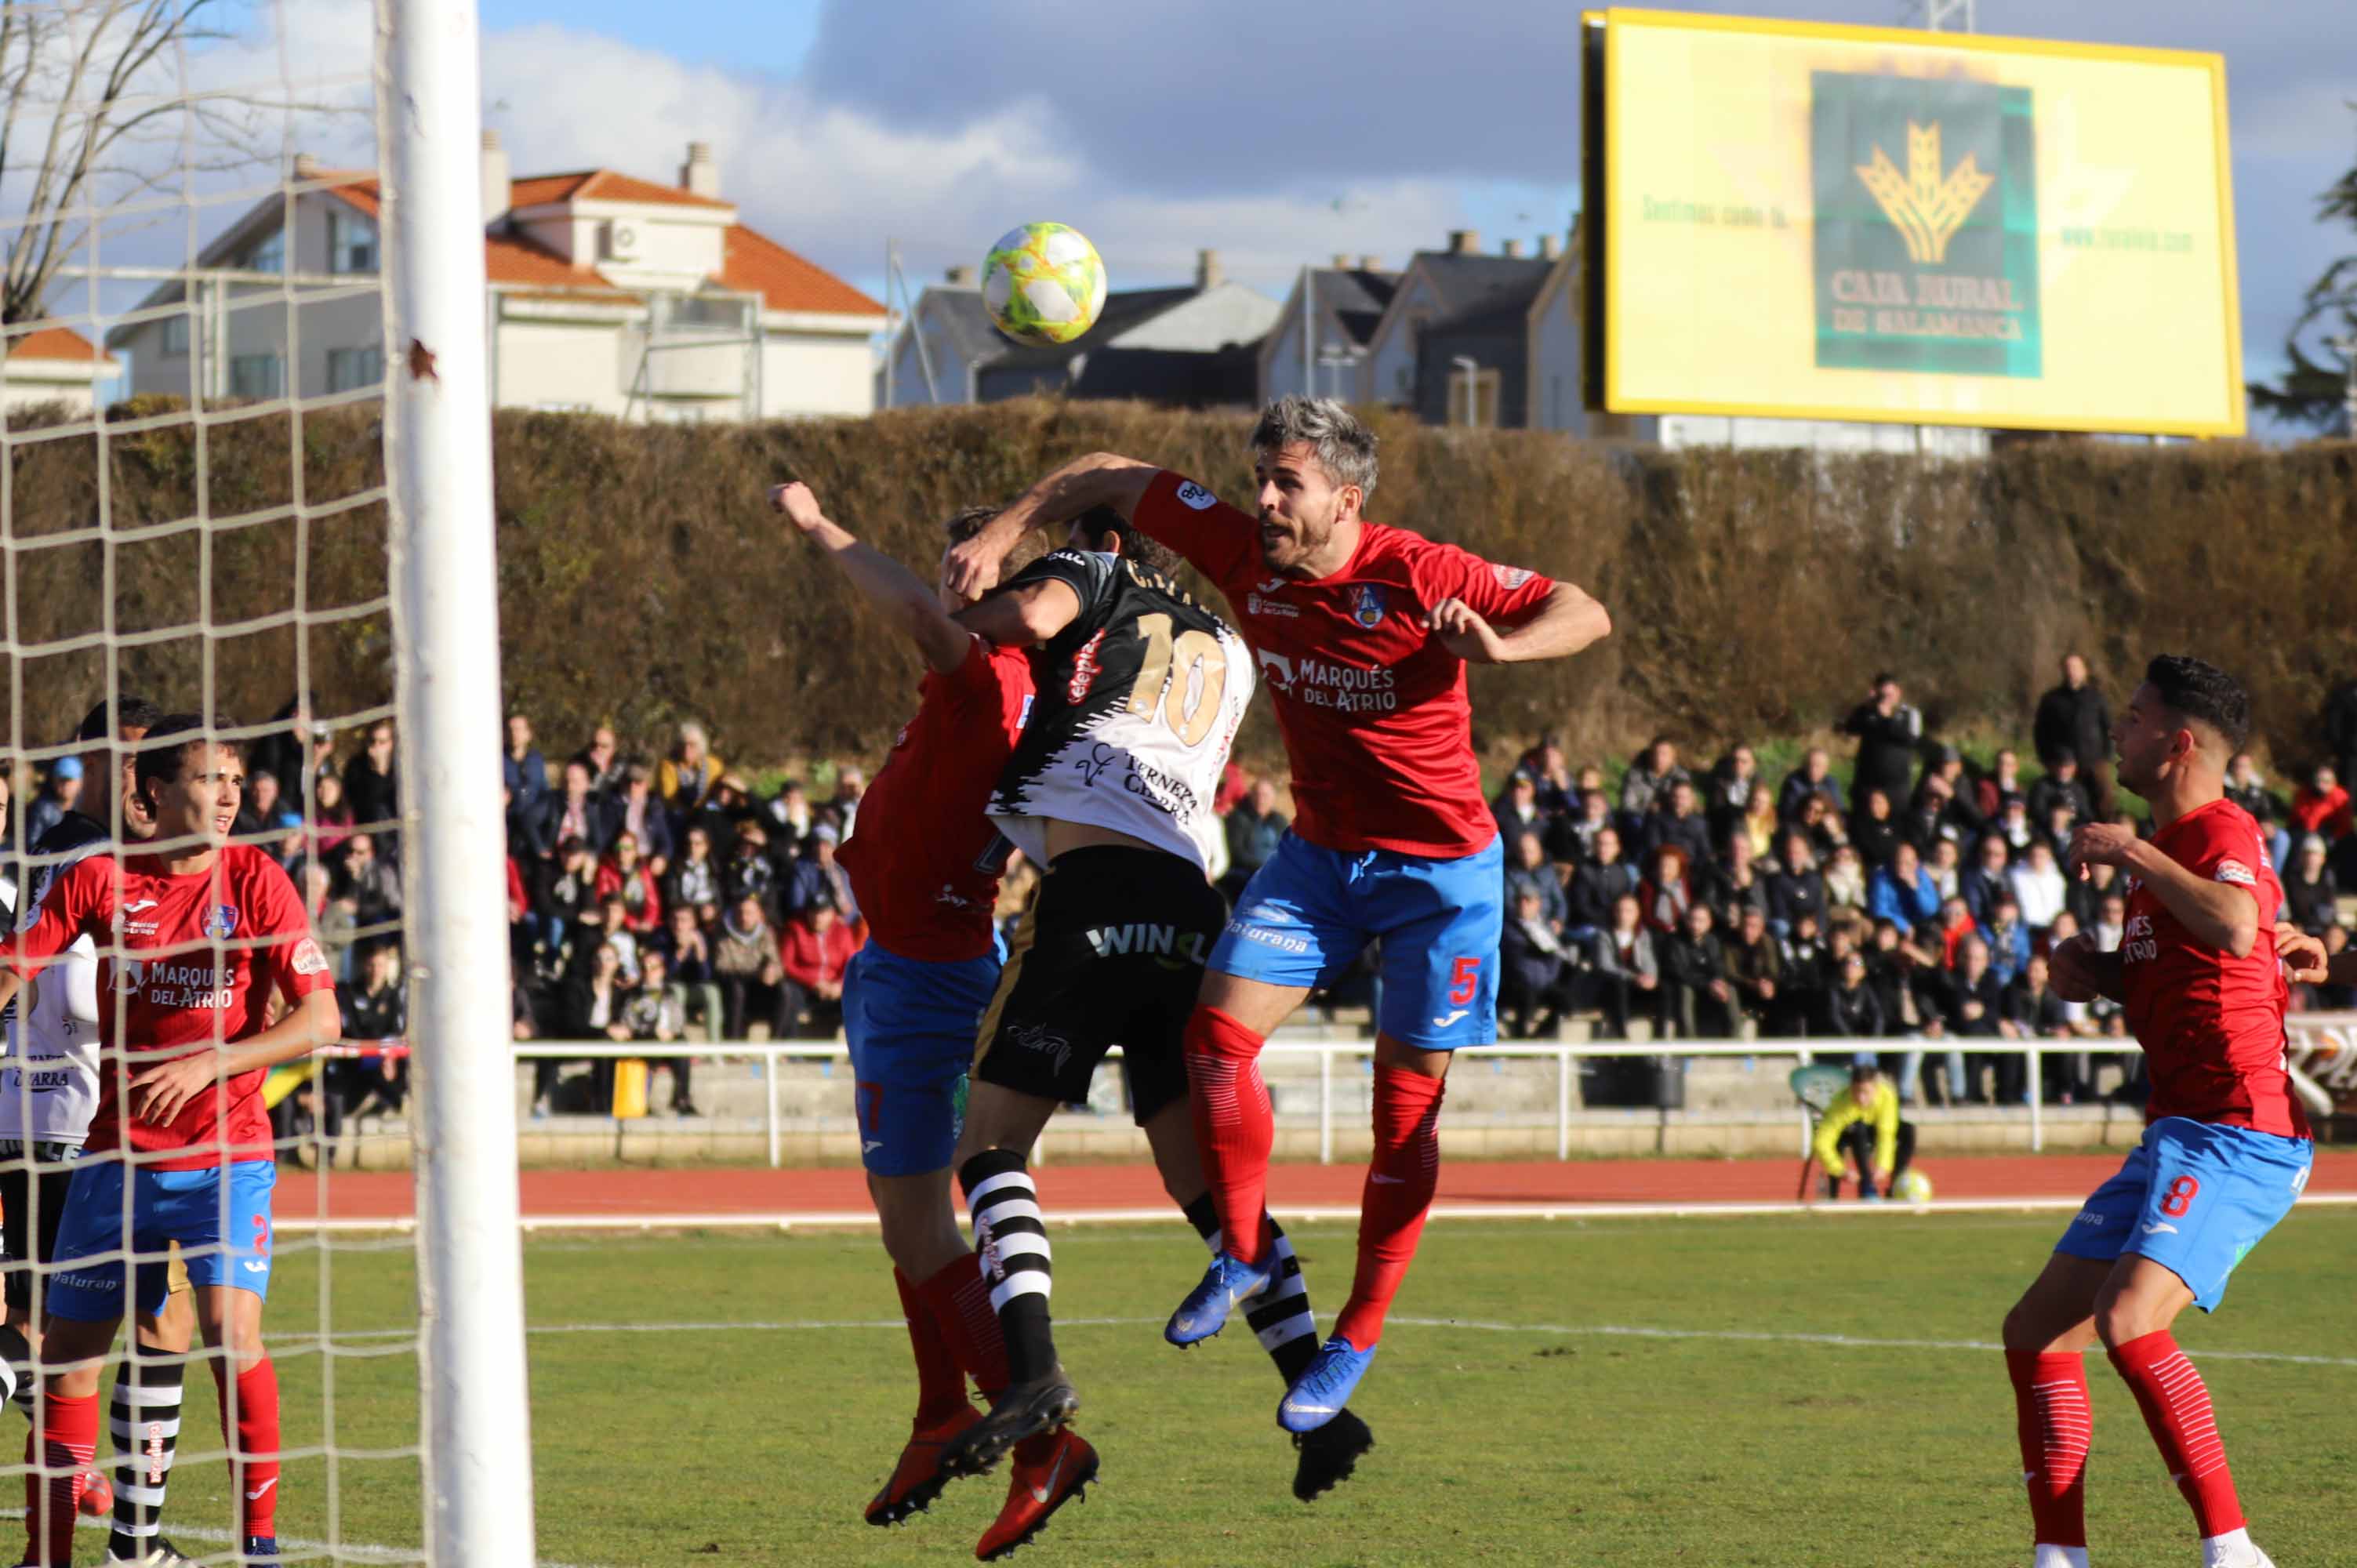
1138,701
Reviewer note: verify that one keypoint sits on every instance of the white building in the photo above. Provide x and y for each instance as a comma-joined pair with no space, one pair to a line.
53,364
609,294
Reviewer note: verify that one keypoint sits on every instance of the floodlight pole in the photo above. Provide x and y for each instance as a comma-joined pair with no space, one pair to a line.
476,1429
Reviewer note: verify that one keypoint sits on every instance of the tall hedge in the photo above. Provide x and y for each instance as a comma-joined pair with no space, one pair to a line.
642,580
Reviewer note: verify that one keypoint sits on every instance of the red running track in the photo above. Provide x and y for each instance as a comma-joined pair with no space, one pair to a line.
1071,1190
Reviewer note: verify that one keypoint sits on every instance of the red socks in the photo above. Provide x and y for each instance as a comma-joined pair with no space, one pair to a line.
2176,1406
71,1427
2050,1398
1234,1128
1401,1180
958,1303
253,1467
941,1382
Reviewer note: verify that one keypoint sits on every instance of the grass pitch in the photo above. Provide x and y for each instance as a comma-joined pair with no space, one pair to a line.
1806,1392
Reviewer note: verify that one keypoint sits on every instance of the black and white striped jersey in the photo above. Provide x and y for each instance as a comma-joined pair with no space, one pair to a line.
1138,702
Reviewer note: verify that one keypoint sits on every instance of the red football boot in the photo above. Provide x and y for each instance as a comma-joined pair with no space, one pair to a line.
1049,1470
919,1477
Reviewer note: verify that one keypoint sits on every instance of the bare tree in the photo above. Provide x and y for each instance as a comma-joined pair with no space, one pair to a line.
94,109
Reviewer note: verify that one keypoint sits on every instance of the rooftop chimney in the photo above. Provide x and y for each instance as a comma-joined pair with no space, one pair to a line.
1464,242
700,175
306,166
498,190
959,277
1209,273
1342,260
1550,246
1510,247
1370,263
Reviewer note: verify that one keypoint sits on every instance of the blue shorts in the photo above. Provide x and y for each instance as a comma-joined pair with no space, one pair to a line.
911,1026
221,1222
2194,1197
1309,912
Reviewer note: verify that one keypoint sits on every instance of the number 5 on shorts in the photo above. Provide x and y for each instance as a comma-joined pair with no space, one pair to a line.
1464,980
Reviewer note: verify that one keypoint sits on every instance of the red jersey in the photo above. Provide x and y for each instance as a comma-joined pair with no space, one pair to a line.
924,861
194,960
1370,704
2211,1025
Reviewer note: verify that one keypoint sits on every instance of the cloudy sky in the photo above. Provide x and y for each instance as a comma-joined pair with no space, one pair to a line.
1274,134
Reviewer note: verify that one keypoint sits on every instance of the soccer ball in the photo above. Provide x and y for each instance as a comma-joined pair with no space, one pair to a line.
1043,283
1913,1187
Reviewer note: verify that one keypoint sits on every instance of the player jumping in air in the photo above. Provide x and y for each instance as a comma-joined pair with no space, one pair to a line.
925,865
194,938
49,1090
2225,1149
1140,691
1361,633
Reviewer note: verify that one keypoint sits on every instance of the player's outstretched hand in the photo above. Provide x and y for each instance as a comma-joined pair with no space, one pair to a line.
158,1093
2072,978
970,569
2100,843
1463,632
800,507
2304,957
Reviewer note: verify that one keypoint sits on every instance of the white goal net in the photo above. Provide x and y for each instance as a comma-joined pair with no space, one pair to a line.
244,479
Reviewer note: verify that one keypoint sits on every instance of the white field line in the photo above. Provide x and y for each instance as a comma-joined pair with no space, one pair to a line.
1591,1330
857,1219
294,1547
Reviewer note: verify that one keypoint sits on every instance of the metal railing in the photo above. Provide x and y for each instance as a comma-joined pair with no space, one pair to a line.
2334,1035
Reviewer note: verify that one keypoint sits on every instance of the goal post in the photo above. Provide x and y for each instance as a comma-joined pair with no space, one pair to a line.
476,1422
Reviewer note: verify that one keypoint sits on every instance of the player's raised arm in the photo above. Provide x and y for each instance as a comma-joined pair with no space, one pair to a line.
1100,479
892,588
1567,620
1024,616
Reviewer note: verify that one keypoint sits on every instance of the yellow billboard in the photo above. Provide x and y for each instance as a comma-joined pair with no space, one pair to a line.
1810,221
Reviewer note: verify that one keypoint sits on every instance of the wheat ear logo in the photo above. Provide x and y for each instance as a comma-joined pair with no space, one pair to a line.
1926,206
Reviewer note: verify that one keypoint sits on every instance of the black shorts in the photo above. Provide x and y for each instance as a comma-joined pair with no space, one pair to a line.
25,1195
1110,952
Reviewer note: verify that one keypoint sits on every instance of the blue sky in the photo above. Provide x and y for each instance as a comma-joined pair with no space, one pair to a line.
1275,135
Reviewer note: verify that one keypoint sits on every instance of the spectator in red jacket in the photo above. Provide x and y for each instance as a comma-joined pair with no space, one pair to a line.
814,949
625,877
2322,806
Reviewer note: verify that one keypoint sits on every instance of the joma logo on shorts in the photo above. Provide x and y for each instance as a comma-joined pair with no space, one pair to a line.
2089,1217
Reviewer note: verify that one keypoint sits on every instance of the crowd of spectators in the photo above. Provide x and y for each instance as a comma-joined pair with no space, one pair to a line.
1916,906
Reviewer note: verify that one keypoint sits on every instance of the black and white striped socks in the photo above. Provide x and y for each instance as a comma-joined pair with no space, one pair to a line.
1280,1315
1012,1240
144,1413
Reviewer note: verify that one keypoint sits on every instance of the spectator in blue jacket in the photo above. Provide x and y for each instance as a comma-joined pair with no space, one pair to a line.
1983,882
1902,892
523,767
1528,871
1254,828
2007,937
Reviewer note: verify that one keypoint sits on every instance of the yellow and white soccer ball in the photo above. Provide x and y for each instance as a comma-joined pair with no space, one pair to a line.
1913,1187
1043,283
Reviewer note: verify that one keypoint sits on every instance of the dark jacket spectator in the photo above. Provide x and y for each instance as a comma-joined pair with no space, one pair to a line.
1528,869
1850,1009
1980,884
2247,789
1533,964
749,873
1571,840
816,878
1517,811
1813,776
1972,998
1797,889
1735,883
634,810
1888,731
2065,784
522,768
1254,828
372,780
2072,720
1701,1001
1874,830
1679,821
1755,966
1596,885
570,887
695,878
1731,778
2031,1006
2310,890
370,881
2085,899
573,812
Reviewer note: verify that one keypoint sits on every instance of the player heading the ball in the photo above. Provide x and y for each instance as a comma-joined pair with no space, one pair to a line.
1361,633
